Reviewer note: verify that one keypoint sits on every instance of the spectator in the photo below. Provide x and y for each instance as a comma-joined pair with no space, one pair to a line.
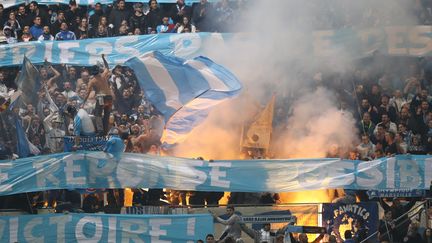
412,235
360,231
366,124
22,16
366,148
154,17
210,239
82,31
388,125
138,19
225,16
233,228
14,25
386,108
427,235
68,92
35,11
386,227
166,27
103,30
26,35
179,11
348,237
186,26
64,33
118,15
399,214
8,33
46,35
36,30
95,17
55,27
203,15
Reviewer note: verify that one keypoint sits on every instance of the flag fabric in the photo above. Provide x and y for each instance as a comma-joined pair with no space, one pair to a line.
23,146
29,83
184,91
258,134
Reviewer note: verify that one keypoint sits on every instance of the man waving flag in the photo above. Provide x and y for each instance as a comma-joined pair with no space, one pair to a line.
184,91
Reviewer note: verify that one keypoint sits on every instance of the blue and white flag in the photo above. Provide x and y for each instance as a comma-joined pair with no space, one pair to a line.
184,91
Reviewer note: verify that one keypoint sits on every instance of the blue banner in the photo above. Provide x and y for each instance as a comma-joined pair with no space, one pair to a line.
396,193
93,143
117,49
105,228
83,170
337,218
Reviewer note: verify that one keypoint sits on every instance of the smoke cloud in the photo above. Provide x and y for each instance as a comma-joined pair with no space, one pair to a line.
275,55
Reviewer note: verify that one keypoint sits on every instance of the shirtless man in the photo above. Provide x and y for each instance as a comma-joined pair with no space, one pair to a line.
104,95
50,82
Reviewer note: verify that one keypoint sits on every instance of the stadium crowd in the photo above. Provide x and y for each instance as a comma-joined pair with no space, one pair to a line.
391,97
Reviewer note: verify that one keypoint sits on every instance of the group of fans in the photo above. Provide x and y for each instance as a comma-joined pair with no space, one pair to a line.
75,22
389,96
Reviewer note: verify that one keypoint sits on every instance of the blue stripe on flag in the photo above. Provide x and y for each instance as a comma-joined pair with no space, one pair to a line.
193,86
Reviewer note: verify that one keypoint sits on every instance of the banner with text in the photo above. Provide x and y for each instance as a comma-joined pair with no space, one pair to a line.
105,228
83,170
117,49
353,43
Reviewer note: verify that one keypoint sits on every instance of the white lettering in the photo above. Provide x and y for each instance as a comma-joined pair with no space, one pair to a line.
60,223
391,163
419,35
70,170
131,230
48,51
19,51
120,47
4,176
112,226
96,48
338,174
278,179
66,55
130,173
373,175
427,172
105,172
322,45
28,231
13,229
216,174
80,229
45,171
395,39
186,45
156,231
186,176
409,174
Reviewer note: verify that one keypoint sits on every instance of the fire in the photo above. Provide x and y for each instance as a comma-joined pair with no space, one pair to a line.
313,196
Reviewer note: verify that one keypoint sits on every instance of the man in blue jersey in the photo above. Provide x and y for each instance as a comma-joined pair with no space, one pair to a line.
82,123
114,146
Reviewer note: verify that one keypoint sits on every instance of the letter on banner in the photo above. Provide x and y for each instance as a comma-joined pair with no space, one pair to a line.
366,36
96,48
19,51
282,179
70,169
395,38
427,172
216,174
65,53
29,229
373,175
45,171
127,52
60,223
338,174
186,44
409,174
420,35
187,175
82,232
156,231
132,229
4,176
322,44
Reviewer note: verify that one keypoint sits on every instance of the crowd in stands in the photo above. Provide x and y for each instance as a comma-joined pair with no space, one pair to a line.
390,97
75,22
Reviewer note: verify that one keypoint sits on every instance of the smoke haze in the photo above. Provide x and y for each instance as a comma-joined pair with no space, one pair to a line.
276,56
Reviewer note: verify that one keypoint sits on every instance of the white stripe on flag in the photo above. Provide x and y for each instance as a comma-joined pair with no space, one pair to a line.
214,82
162,78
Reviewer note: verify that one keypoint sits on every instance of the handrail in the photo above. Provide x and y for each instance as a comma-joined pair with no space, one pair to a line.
395,220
